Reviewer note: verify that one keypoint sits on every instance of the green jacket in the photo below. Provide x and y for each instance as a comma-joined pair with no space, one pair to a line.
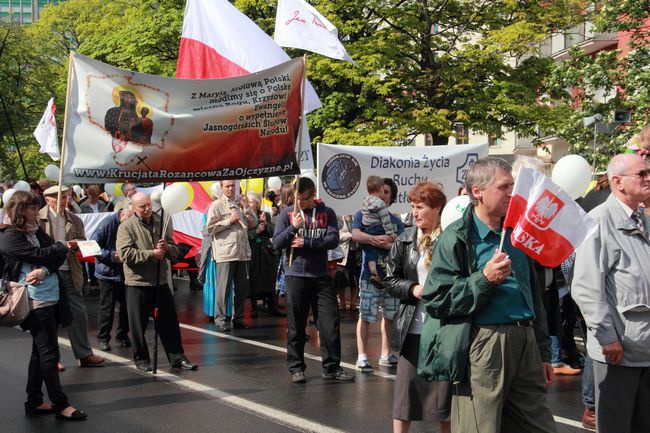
135,244
454,290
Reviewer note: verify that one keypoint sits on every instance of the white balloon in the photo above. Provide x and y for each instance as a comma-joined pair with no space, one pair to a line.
311,176
52,172
572,173
7,195
215,189
21,185
274,182
453,210
176,197
77,190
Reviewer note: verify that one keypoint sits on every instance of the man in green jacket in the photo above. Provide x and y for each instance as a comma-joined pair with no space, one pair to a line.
487,327
143,251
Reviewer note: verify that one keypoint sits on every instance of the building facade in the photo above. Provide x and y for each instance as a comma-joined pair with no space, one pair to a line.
23,11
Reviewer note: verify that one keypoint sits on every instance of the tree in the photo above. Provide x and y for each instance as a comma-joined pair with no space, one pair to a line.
25,87
622,74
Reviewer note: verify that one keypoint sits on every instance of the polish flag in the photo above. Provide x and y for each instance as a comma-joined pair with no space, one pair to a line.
218,41
299,25
547,225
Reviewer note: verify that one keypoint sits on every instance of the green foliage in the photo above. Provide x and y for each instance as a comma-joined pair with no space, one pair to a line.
623,74
25,87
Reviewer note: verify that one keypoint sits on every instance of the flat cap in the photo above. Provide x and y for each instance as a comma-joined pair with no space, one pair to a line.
54,190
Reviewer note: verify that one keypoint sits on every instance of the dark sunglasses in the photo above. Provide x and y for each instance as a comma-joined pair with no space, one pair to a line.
642,173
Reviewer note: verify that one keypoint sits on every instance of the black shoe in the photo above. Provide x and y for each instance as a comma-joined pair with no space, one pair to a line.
240,325
104,346
122,343
298,377
143,366
185,365
35,411
77,415
339,374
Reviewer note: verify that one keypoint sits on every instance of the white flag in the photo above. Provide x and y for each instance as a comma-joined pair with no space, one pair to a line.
300,25
46,134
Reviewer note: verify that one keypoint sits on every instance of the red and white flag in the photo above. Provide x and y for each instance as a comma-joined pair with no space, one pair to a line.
46,134
547,224
299,25
218,41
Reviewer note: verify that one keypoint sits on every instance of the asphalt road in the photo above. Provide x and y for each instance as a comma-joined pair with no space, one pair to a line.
242,384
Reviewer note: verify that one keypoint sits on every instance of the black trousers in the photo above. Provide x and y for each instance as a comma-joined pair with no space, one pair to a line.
317,293
139,303
41,323
110,293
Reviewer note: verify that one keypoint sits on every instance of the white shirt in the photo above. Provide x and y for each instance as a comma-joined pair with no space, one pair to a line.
418,316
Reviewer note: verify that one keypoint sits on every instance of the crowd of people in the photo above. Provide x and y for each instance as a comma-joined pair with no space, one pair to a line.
475,330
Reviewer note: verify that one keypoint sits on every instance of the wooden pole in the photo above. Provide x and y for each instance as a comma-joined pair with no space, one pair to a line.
303,120
65,130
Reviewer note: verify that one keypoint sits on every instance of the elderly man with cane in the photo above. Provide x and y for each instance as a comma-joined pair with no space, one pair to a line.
145,270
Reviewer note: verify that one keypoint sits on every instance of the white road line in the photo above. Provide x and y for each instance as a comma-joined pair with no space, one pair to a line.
260,410
275,348
568,421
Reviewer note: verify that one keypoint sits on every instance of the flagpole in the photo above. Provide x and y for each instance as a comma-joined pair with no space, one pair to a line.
303,118
65,130
13,134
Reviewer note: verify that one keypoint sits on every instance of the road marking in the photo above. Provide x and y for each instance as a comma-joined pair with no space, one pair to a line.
260,410
568,421
275,348
225,336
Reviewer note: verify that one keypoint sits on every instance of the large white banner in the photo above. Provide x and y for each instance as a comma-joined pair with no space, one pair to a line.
122,125
343,171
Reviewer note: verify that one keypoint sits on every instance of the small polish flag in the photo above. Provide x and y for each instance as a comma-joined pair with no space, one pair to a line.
218,41
547,224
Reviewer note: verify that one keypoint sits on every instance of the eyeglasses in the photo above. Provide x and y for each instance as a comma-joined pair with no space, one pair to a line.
643,174
305,198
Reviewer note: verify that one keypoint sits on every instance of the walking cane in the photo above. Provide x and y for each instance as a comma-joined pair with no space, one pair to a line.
154,366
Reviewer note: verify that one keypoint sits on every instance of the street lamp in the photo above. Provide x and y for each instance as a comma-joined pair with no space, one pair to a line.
587,122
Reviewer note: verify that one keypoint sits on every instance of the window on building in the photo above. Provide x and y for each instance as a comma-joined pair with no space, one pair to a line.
462,133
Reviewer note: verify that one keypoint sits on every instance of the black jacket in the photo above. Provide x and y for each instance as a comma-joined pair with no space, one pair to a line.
16,249
321,233
401,275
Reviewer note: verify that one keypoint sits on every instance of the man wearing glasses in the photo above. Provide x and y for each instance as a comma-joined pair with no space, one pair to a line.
128,189
309,233
611,285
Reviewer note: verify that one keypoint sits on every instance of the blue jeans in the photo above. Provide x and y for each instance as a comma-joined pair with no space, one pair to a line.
588,386
556,351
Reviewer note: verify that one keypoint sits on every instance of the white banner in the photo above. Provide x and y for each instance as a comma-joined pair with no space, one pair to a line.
343,171
299,25
122,125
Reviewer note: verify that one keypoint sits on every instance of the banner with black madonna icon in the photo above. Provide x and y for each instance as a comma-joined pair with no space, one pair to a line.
123,125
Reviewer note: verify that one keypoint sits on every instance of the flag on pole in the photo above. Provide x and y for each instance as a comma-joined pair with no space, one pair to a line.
46,133
218,41
547,224
299,25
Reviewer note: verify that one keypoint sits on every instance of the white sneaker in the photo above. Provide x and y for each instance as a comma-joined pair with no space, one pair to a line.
389,360
363,366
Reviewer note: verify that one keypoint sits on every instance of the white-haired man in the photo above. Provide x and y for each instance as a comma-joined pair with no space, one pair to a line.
611,285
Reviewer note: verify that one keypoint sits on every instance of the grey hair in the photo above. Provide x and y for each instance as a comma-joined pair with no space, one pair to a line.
482,174
619,164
